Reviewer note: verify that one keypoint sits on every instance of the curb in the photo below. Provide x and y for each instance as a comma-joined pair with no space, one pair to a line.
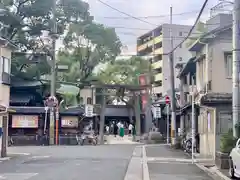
216,175
145,165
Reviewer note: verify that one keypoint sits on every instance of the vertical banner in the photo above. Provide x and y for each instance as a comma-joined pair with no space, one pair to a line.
144,99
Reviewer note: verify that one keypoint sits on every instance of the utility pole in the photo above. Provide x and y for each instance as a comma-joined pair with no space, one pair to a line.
193,121
236,66
102,118
137,116
148,113
53,72
172,85
4,135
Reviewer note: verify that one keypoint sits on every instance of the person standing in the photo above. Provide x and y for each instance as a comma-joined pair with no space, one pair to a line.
115,129
107,129
121,133
130,127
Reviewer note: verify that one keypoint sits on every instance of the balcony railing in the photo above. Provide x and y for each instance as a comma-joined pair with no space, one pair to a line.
149,43
158,77
157,65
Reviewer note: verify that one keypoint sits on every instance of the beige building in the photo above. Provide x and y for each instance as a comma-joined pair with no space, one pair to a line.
6,48
214,85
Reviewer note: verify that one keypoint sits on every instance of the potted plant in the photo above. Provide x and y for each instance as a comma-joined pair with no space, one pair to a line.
227,142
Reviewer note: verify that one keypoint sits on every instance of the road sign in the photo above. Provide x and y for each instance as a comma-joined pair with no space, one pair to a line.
167,100
89,110
157,112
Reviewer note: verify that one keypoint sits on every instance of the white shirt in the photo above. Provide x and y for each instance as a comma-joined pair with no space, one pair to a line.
118,125
130,127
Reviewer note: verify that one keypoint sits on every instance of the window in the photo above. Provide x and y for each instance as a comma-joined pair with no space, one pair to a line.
180,58
180,33
5,65
228,65
89,100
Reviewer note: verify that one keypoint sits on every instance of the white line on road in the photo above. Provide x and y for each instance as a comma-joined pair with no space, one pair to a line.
40,157
18,153
1,177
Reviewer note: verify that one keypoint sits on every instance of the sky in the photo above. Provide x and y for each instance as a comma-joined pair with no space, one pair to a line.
155,12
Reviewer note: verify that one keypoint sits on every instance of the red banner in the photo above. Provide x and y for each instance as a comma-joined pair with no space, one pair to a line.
143,81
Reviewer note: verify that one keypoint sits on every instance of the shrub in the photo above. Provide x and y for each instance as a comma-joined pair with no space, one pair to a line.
227,142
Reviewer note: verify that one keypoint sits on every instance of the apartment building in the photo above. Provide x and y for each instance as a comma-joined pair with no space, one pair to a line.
155,44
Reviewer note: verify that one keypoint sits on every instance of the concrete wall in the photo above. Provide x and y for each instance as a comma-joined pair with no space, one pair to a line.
220,82
206,129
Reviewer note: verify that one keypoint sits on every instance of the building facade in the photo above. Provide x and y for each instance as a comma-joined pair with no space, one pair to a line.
214,83
155,45
6,48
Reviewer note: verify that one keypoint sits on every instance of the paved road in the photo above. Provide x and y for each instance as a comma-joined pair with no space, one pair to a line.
166,163
107,162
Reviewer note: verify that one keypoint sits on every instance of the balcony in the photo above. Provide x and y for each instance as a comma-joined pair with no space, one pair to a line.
157,64
157,51
158,77
6,78
149,43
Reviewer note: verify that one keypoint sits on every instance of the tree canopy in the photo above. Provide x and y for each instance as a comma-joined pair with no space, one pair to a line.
86,43
124,71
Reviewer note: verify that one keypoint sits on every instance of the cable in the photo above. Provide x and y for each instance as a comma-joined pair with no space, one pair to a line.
125,13
153,16
191,30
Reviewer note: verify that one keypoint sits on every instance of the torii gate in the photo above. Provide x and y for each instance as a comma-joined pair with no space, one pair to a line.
135,89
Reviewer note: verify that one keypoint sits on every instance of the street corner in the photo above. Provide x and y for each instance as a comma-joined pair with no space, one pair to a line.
214,171
14,155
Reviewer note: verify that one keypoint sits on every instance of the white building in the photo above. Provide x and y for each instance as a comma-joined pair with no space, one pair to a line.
162,46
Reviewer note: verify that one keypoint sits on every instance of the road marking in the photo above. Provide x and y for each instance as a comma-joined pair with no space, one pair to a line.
150,159
19,176
40,157
16,153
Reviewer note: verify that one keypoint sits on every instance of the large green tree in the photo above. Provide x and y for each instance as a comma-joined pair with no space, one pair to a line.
124,71
25,20
86,46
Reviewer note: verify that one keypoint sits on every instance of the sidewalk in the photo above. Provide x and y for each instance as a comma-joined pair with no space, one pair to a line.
110,139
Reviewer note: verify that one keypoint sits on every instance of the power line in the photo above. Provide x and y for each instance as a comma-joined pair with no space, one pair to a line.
191,30
149,29
129,15
153,16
